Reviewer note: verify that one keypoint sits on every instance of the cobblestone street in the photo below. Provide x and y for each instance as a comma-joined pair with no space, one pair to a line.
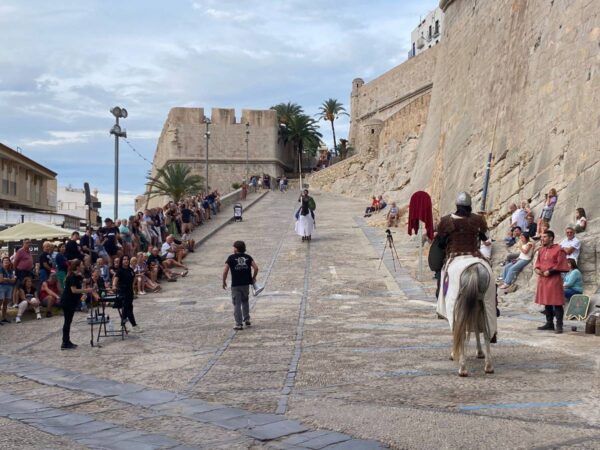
340,355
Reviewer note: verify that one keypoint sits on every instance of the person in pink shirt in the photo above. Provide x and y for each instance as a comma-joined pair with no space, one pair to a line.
23,264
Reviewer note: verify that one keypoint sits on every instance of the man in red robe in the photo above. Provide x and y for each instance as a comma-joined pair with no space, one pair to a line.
551,262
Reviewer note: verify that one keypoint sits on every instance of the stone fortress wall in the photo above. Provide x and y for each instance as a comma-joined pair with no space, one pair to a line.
183,140
518,79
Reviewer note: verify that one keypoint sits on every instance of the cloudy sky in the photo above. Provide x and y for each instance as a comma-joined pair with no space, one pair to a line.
65,63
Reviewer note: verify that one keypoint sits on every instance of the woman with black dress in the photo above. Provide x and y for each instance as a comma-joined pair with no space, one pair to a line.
123,282
70,299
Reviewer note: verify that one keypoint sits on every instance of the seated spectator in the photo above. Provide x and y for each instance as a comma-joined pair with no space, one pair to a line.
382,203
544,226
50,294
581,220
393,216
573,282
114,268
8,278
374,207
530,229
142,281
187,242
157,268
513,237
518,217
571,245
26,298
514,267
173,254
551,198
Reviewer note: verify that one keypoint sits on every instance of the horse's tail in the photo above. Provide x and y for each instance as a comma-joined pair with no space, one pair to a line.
466,307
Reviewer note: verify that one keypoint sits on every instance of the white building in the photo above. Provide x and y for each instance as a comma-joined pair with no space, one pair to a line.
428,33
71,201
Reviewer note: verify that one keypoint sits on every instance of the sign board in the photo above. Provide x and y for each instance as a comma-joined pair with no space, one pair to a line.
35,247
578,307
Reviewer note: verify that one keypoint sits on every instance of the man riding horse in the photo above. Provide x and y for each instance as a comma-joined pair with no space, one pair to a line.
467,298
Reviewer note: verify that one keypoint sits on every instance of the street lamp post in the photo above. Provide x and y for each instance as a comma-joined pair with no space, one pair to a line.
119,113
207,136
247,138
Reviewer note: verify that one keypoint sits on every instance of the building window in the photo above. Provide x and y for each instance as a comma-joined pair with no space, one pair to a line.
437,27
430,32
13,181
414,50
37,189
4,177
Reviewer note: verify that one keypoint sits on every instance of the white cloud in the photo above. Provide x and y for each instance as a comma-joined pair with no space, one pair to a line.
66,138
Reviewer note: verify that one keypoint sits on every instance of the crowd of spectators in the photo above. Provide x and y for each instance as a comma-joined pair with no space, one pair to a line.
524,232
152,245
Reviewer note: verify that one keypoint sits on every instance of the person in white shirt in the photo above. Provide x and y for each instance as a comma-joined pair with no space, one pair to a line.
518,217
571,245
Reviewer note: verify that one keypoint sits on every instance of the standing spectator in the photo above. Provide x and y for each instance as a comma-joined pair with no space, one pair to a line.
26,298
531,228
45,261
88,244
393,215
111,237
23,261
72,250
123,283
551,262
515,266
571,245
8,278
70,299
581,220
50,294
126,237
282,184
573,282
186,219
241,278
548,209
62,265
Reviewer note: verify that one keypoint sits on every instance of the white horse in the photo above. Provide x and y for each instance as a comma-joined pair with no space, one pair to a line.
470,316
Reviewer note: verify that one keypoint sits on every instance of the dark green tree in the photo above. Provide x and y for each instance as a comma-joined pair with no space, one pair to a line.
331,110
174,181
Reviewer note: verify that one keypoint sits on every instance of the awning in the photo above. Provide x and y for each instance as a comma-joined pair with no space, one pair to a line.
35,231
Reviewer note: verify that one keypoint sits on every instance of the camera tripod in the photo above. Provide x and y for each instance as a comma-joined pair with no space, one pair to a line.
389,241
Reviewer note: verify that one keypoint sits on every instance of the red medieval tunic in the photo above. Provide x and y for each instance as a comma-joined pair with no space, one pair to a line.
550,289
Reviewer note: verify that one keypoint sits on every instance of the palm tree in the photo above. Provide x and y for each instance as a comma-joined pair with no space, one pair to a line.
303,132
287,110
330,110
174,181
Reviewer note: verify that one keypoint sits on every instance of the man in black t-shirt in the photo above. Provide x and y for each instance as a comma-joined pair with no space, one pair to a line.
111,236
240,265
72,250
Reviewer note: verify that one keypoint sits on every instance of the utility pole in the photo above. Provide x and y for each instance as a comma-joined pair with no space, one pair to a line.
118,112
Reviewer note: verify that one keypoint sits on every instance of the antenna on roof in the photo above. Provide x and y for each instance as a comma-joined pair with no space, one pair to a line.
19,150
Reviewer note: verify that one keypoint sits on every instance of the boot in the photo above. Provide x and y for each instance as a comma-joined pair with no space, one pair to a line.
559,312
549,312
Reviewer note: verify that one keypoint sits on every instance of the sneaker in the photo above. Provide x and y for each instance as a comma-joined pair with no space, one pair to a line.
18,320
68,346
238,327
73,345
38,316
137,329
247,323
142,293
184,274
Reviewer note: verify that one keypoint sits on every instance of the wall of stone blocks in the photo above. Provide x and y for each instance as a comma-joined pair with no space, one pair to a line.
183,140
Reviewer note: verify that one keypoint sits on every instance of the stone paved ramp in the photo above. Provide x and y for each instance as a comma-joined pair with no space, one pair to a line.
339,355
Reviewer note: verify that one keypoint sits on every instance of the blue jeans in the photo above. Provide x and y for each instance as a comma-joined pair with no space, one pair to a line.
569,292
512,269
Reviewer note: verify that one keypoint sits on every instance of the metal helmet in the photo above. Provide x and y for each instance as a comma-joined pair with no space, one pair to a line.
463,199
